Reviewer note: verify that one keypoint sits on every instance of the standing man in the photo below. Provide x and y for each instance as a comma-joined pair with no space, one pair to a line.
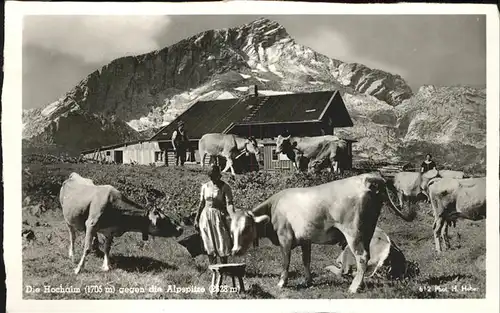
428,164
180,142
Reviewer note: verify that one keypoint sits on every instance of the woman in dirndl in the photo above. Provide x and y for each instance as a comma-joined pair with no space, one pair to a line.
216,199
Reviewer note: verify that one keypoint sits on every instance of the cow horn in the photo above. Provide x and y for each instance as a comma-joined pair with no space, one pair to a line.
288,137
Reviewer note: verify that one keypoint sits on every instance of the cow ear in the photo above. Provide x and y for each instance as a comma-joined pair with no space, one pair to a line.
262,219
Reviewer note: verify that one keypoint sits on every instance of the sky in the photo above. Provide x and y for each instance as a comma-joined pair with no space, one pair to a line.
59,51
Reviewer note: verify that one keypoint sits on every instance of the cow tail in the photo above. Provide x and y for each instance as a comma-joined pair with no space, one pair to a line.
398,211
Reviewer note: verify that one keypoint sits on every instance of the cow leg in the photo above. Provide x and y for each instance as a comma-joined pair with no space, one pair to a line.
228,163
297,163
346,266
89,235
71,252
202,158
335,166
438,225
444,236
360,247
108,240
286,251
306,260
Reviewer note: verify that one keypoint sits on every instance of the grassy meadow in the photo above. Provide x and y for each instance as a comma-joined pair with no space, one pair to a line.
139,266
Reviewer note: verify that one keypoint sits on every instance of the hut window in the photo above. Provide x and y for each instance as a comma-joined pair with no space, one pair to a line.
275,155
158,156
108,152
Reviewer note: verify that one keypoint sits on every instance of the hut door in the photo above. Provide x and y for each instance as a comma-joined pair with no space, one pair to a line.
119,157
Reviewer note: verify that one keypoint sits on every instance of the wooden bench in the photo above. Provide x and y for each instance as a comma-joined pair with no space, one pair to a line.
219,271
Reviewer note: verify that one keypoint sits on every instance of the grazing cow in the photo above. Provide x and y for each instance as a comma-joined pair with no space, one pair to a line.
452,199
103,209
318,150
409,185
383,252
226,145
302,216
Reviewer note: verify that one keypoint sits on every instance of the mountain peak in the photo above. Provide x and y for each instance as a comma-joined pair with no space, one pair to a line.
264,24
265,27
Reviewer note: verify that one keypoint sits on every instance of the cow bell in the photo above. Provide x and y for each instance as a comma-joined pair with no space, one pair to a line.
145,236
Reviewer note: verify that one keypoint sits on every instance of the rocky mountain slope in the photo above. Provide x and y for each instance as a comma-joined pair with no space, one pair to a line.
141,93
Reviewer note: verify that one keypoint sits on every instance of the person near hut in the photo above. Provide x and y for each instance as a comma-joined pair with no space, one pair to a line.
180,143
216,202
428,164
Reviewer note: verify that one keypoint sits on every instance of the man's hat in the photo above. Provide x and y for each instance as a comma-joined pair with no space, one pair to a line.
180,123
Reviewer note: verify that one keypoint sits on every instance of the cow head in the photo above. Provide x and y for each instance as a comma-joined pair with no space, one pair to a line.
161,225
251,146
244,230
283,144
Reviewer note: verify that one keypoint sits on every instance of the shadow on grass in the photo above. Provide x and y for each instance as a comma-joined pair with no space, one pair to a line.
302,285
251,274
257,292
140,264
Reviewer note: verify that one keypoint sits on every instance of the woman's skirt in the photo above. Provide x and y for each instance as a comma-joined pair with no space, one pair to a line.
214,232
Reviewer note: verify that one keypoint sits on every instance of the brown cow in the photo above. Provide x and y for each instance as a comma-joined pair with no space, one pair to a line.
303,216
103,209
317,149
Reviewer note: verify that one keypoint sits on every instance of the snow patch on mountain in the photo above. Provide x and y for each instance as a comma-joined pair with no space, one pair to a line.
274,92
226,95
244,88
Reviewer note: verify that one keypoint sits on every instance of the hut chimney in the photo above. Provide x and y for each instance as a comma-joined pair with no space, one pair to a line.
253,91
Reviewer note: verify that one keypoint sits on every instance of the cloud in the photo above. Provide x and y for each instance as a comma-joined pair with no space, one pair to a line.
338,46
96,39
327,42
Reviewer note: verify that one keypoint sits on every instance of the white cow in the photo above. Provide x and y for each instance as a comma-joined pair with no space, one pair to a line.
318,150
346,209
228,146
453,199
103,209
